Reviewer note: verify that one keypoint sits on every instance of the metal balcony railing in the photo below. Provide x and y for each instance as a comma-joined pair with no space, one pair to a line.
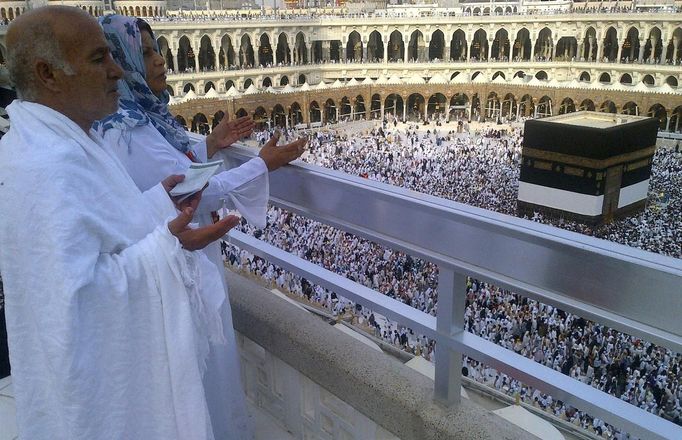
634,291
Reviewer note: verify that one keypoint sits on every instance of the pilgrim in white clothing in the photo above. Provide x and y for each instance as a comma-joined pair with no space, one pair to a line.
107,331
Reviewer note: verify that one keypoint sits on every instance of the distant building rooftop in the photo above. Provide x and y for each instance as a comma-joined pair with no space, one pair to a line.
594,119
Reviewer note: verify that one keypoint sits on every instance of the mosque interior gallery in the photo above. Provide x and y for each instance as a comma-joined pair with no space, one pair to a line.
316,71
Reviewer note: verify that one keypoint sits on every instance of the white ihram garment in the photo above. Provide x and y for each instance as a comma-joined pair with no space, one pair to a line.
101,310
149,158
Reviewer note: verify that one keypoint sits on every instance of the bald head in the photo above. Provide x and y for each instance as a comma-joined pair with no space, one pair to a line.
50,35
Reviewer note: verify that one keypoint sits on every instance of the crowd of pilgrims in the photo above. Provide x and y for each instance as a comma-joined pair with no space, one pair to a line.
480,169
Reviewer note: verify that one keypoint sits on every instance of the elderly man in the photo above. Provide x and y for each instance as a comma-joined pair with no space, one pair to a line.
108,333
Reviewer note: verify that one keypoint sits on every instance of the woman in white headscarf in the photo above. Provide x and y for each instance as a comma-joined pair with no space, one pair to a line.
152,145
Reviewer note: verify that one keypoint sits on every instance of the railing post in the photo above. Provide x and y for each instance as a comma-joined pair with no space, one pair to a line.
450,321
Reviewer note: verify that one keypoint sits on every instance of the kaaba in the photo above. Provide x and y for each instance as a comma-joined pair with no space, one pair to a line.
586,166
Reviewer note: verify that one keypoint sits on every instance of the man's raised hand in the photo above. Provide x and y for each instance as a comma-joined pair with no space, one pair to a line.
199,238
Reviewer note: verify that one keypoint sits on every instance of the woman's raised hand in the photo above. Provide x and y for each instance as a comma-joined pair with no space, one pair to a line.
275,156
227,133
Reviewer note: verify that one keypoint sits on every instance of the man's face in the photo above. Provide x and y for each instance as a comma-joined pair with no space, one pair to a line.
92,91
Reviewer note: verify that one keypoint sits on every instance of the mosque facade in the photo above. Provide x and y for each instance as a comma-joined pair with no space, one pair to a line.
499,60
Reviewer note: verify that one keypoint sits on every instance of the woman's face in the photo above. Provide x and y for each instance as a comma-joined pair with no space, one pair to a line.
154,65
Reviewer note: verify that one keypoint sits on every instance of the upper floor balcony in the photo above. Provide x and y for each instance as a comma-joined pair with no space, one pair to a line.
629,290
317,383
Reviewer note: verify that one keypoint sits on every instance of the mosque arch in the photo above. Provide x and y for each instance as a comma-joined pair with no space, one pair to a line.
246,56
585,77
300,49
396,46
247,83
676,120
267,82
335,50
541,75
415,106
217,117
283,53
437,105
526,106
415,48
144,11
673,54
359,111
188,87
654,45
229,84
610,45
295,114
375,47
454,75
200,124
499,73
671,81
589,44
567,106
279,116
508,106
630,47
345,109
437,46
206,54
588,105
241,113
475,106
330,114
315,112
605,78
479,45
375,106
458,46
566,49
630,108
354,47
659,112
265,55
185,55
492,107
649,80
260,118
301,79
520,74
626,78
226,55
394,105
608,106
500,46
544,107
459,106
208,86
284,80
522,48
543,45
